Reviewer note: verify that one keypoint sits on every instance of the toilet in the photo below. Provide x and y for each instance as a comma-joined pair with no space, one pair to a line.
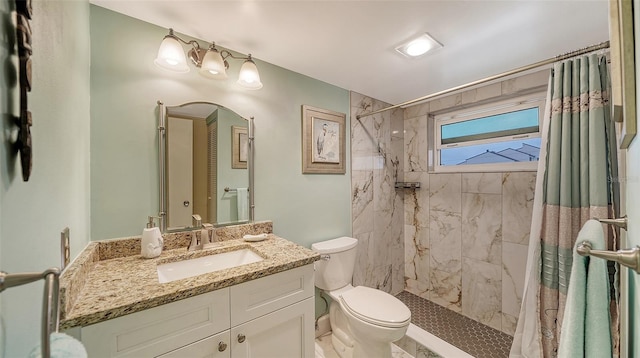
364,321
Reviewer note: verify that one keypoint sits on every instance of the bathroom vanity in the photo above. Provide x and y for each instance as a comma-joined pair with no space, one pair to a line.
113,302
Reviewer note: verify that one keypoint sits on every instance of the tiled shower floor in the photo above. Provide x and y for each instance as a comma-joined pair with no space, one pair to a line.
470,336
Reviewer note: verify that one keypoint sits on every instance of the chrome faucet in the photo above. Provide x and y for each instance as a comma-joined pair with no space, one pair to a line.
202,241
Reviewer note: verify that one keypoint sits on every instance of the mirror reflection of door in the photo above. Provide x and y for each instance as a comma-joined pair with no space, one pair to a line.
191,169
200,156
180,165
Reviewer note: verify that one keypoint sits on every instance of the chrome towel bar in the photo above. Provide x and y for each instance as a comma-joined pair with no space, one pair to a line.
629,258
229,190
619,222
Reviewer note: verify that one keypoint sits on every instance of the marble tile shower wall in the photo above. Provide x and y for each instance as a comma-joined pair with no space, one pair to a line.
377,208
466,234
466,241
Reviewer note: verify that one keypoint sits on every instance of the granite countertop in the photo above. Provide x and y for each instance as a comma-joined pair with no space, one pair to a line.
110,279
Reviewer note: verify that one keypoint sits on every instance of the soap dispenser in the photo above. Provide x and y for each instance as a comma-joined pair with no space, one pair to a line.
152,242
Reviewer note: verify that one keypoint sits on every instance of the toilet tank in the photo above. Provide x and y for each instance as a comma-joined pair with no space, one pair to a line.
335,269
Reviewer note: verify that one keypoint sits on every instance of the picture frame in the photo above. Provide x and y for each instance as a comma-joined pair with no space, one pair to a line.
323,141
623,97
239,147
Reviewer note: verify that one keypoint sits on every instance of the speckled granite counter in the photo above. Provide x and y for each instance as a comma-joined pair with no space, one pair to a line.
110,279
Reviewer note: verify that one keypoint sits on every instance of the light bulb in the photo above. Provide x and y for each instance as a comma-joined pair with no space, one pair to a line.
418,47
171,55
249,77
213,65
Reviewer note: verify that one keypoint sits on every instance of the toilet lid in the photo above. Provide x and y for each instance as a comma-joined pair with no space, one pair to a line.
375,307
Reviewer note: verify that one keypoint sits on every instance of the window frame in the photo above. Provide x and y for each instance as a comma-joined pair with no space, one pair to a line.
536,100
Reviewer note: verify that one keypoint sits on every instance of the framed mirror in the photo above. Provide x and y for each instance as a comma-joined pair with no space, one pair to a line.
205,160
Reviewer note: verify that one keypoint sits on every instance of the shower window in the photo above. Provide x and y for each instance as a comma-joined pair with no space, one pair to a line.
498,137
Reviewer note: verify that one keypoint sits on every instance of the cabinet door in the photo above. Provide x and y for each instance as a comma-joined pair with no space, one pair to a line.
216,346
161,329
256,298
285,333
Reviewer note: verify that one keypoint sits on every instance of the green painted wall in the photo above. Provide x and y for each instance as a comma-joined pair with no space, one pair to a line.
227,176
125,85
33,213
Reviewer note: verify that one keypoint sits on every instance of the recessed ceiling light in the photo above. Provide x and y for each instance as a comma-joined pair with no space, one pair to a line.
419,46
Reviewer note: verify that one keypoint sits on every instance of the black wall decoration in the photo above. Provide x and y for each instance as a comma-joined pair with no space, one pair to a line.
23,32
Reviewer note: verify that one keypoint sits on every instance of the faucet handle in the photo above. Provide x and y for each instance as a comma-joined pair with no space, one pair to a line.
198,220
207,236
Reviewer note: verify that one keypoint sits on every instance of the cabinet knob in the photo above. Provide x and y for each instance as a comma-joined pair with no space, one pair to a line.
222,346
241,338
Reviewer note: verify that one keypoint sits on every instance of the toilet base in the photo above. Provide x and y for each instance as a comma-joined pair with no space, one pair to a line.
346,344
343,350
358,350
382,350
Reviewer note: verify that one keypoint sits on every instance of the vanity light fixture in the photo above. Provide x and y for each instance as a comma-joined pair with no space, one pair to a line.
211,62
419,46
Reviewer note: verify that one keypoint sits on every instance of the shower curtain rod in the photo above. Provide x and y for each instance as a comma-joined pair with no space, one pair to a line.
562,57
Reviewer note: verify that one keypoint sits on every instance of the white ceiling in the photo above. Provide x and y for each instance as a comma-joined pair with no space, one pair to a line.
197,110
351,44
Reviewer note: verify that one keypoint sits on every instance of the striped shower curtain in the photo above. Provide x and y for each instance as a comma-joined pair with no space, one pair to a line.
575,183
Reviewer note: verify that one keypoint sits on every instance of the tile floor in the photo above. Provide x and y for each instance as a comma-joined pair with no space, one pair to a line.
470,336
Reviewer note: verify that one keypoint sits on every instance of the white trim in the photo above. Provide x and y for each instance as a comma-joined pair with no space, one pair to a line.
435,344
498,107
488,168
530,135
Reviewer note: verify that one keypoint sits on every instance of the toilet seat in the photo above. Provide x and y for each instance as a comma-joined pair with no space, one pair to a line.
375,307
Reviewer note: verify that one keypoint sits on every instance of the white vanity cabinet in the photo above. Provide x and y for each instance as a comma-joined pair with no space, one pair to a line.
272,316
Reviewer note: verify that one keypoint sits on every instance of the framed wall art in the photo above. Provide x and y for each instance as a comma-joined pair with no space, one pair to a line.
623,75
323,141
240,147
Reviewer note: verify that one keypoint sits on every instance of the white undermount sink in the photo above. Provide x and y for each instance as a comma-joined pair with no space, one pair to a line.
193,267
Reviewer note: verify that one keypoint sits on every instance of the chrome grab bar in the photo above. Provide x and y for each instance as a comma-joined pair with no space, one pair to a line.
17,279
50,313
629,258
